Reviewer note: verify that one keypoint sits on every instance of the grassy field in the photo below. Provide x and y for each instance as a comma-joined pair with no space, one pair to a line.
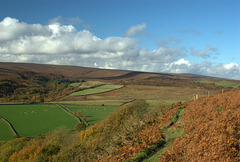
75,84
221,83
100,89
5,133
152,94
94,113
94,102
34,120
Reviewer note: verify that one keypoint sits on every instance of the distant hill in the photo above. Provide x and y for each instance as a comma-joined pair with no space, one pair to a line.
24,70
38,82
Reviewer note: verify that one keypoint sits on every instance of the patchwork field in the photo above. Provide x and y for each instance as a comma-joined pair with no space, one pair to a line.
34,120
5,133
96,90
165,95
221,83
94,102
94,113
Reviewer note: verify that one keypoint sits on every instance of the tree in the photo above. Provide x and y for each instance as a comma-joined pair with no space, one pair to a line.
79,127
41,100
79,113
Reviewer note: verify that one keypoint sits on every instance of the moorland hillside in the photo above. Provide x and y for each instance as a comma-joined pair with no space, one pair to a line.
207,129
116,115
27,82
212,130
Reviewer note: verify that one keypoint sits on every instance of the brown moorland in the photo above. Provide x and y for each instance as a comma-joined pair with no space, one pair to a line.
23,70
212,125
29,82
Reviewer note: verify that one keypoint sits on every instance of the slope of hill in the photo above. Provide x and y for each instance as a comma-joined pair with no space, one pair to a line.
212,127
24,70
210,131
35,82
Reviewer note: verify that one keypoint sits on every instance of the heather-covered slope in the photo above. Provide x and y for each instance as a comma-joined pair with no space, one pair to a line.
212,125
210,131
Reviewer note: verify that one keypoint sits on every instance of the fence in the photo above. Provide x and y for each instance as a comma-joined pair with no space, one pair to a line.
207,94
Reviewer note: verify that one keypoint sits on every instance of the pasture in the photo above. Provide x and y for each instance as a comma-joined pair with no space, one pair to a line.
96,90
5,133
75,84
94,113
34,120
221,83
94,102
154,95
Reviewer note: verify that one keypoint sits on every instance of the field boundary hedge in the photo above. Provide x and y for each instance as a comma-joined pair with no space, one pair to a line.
11,126
97,92
67,110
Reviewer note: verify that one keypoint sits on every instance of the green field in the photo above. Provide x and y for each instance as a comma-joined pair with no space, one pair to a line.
96,90
94,102
34,120
94,113
5,133
221,83
75,84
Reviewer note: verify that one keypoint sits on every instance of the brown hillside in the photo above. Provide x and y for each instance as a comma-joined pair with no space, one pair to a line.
213,130
22,70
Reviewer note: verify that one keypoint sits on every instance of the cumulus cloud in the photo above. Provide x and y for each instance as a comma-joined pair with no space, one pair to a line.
206,53
231,70
168,42
69,21
134,30
189,31
56,43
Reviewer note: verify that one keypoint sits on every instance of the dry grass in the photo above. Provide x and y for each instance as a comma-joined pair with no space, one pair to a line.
163,95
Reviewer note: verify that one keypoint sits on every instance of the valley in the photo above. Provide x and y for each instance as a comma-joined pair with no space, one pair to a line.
66,112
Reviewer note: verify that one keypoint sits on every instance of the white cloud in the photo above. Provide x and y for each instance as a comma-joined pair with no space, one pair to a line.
190,31
69,21
182,62
134,30
206,53
232,66
63,44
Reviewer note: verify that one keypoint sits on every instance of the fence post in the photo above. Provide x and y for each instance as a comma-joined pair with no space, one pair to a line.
196,96
222,90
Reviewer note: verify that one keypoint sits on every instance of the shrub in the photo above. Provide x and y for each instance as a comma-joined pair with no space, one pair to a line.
79,127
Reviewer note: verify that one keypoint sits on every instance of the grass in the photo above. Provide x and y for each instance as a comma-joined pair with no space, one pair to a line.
228,84
5,133
11,103
95,102
75,84
34,120
221,83
171,134
161,94
96,90
94,113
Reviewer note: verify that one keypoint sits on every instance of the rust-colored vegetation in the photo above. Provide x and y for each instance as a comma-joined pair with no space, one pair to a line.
211,125
213,130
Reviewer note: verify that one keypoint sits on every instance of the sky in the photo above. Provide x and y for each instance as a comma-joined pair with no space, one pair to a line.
164,36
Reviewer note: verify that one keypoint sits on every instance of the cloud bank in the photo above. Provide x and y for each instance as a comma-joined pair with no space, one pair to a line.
64,45
135,30
206,53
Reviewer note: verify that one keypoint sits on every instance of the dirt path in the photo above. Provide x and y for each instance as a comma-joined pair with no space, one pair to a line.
163,145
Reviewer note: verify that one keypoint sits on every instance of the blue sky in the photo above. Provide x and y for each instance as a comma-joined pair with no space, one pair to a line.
175,36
